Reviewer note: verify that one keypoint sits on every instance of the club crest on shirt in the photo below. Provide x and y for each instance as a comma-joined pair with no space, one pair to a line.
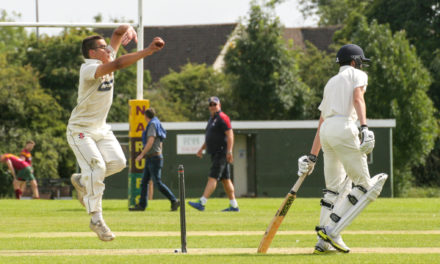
106,85
81,135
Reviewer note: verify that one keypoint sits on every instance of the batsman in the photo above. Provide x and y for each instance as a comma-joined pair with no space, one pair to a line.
349,188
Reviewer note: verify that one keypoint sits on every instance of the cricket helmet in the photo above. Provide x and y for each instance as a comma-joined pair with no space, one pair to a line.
351,52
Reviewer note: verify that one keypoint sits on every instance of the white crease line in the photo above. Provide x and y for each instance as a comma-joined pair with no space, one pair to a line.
205,251
213,233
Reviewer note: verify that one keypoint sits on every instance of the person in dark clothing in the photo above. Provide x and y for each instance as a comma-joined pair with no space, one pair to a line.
219,141
152,139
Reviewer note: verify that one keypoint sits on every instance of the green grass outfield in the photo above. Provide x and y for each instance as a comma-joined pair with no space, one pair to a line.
56,231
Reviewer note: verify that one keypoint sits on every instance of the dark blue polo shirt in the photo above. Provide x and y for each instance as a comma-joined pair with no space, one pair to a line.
215,137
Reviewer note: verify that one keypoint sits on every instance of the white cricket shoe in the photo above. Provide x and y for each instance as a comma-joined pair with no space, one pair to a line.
102,230
323,247
80,189
335,241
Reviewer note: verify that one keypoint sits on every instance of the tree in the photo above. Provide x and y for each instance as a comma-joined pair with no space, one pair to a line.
420,20
27,112
266,83
57,60
429,173
13,40
398,85
316,67
434,90
422,25
183,96
332,12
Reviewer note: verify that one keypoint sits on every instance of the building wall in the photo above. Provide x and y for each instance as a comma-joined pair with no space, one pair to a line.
271,169
279,150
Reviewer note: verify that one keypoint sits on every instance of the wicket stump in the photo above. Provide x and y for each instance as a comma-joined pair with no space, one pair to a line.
182,208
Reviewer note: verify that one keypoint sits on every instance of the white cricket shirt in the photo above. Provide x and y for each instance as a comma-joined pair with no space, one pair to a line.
95,97
338,93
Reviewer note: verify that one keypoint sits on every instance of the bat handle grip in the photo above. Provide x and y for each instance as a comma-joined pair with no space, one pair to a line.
298,183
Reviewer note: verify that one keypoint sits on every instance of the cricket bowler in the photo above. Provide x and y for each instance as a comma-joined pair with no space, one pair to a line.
97,150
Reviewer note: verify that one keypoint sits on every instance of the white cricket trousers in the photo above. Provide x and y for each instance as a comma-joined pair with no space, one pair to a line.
99,155
342,157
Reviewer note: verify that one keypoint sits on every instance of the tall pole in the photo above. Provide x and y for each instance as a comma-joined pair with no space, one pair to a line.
140,46
137,123
37,19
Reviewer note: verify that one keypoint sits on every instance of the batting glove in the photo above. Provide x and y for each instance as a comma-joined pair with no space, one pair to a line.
306,164
367,140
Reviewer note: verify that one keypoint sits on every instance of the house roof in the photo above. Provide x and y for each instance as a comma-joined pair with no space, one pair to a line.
321,37
203,44
190,43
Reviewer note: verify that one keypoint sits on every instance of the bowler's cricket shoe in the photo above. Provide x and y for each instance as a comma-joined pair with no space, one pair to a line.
137,207
231,209
102,230
175,205
336,241
80,189
323,247
199,206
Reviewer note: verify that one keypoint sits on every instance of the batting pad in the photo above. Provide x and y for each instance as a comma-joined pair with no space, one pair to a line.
371,195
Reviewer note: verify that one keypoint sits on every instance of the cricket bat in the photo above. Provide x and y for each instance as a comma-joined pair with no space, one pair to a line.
279,216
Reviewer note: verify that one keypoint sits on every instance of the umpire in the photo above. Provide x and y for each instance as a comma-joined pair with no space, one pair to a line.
219,141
